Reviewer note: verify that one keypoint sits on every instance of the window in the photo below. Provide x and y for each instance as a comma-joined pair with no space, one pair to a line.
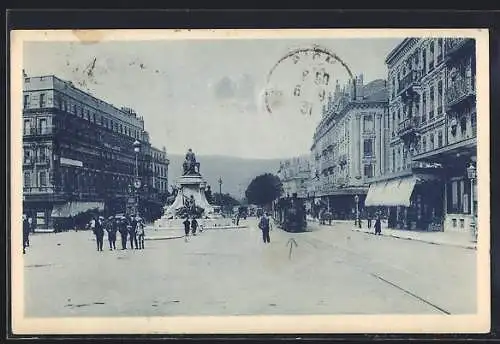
121,129
42,126
424,144
368,123
424,59
439,49
27,179
27,127
41,154
454,195
431,141
369,171
431,56
102,120
94,118
424,107
43,178
440,97
367,147
74,109
42,100
431,104
26,101
440,139
27,154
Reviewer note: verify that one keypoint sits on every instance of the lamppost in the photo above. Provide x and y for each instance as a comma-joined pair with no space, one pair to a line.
471,173
356,222
137,182
220,193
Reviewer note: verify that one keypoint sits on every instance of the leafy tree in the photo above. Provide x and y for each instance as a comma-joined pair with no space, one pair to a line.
227,200
264,189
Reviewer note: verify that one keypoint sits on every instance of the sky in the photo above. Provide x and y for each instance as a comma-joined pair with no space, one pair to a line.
208,94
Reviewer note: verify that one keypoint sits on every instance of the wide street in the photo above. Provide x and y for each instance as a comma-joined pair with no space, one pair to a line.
333,270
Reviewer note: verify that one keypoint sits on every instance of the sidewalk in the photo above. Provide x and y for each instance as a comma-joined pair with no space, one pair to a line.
457,239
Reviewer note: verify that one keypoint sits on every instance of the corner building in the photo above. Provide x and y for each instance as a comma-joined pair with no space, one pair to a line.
78,152
423,155
348,146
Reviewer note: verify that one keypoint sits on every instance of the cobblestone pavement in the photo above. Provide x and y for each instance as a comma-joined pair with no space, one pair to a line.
332,270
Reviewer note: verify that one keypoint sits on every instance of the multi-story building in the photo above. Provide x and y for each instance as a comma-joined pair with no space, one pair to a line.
294,174
78,151
431,86
348,146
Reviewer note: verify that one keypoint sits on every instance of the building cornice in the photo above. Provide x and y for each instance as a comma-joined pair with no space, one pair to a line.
400,49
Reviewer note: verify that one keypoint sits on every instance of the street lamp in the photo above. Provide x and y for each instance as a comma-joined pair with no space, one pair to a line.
356,222
220,192
471,174
137,183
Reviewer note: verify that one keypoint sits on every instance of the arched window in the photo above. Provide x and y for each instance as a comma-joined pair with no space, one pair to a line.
43,178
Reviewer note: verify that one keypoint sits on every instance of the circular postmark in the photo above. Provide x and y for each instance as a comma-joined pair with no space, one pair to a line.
303,80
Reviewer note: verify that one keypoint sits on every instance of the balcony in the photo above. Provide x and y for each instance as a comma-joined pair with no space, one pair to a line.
408,127
38,131
455,45
42,161
460,91
410,82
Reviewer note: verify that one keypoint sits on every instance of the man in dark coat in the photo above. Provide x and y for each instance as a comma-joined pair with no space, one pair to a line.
194,226
265,226
111,228
26,233
122,227
378,226
99,233
187,225
133,233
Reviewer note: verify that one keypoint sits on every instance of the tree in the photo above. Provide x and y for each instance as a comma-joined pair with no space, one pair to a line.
264,189
227,200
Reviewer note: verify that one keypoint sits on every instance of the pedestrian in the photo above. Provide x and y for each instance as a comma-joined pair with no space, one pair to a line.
187,225
369,220
98,232
265,226
238,219
194,226
378,226
140,233
31,229
26,233
111,228
132,232
122,227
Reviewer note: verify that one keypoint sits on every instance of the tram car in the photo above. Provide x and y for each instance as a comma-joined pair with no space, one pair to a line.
290,214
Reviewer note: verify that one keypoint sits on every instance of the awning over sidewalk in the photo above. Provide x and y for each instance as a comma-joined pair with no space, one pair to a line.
391,193
70,209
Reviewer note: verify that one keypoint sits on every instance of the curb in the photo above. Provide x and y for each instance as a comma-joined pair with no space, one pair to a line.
470,247
163,238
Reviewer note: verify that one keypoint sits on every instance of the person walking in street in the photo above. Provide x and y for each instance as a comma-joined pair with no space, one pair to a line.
31,229
187,225
111,228
369,220
237,219
122,227
140,233
378,226
265,226
132,232
26,233
98,232
194,226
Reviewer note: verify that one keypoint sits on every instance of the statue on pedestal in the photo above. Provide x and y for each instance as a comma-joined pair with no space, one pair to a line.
190,166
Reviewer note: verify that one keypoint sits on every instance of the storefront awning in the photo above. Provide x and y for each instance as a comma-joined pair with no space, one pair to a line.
391,193
71,209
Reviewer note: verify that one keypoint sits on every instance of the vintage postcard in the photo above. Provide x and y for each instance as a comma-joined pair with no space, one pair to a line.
250,181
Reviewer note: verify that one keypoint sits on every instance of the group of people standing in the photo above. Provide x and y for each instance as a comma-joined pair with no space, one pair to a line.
191,227
131,228
28,227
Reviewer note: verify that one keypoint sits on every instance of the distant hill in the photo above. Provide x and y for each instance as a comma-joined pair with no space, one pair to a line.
236,173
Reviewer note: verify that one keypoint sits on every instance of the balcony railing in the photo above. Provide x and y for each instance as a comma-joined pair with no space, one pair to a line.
38,189
38,131
460,90
408,126
409,80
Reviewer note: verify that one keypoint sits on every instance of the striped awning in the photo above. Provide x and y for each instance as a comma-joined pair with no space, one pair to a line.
71,209
391,193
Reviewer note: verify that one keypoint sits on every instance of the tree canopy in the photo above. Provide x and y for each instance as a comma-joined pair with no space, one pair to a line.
227,200
264,189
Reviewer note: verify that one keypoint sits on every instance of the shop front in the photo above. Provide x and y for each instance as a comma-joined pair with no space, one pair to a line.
413,202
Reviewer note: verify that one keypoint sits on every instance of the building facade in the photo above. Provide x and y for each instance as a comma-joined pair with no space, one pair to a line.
78,152
348,146
294,174
431,93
